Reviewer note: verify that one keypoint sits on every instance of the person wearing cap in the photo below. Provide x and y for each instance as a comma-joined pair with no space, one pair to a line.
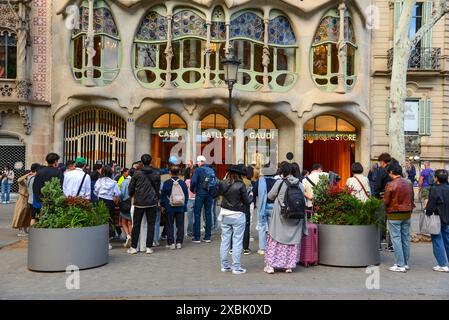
77,182
203,184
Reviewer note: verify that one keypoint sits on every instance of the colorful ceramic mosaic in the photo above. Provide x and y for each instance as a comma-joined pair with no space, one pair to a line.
218,31
329,30
188,23
153,28
247,25
103,21
280,32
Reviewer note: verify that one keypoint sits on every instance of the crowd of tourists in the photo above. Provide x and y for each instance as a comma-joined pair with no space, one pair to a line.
148,198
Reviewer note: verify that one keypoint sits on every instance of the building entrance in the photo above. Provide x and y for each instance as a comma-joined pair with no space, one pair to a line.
330,141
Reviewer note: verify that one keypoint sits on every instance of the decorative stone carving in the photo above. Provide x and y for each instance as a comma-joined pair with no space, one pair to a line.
8,17
266,57
23,89
25,114
243,107
6,90
190,106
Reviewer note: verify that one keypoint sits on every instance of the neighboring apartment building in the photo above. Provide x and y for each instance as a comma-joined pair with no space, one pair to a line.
426,118
320,80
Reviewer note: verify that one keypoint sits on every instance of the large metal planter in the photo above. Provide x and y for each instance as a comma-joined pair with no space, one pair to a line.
56,249
348,246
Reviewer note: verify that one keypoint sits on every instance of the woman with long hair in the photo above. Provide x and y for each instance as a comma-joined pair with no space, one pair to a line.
232,217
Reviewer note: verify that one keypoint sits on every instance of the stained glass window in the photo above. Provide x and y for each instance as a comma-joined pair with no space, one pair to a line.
325,52
8,55
106,44
247,25
188,23
280,32
153,28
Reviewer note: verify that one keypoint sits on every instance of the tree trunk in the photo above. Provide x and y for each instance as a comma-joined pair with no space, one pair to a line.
398,88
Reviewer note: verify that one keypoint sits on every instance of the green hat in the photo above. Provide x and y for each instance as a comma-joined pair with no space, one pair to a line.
80,160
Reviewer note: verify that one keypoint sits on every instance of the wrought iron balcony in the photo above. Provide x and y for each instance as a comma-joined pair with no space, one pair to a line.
420,59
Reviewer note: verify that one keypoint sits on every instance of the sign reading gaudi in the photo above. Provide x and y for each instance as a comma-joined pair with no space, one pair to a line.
330,136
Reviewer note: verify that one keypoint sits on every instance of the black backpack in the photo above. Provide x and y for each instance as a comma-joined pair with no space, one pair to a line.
294,206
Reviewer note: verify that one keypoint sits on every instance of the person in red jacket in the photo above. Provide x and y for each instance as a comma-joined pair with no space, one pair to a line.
399,204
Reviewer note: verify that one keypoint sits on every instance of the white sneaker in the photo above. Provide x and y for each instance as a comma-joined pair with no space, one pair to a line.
171,247
127,242
178,246
155,244
226,269
149,251
261,252
239,271
441,269
131,251
110,246
407,267
396,268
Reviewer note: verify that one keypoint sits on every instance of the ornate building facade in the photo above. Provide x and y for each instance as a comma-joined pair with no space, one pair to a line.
118,78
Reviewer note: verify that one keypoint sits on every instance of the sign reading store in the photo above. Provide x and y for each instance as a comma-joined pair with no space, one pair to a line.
330,136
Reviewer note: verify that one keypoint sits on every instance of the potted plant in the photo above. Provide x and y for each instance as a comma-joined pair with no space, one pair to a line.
348,229
70,231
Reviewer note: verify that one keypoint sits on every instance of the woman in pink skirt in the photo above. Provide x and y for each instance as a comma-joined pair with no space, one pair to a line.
284,235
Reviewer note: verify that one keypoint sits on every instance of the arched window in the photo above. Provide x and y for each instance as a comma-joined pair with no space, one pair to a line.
189,43
218,46
247,36
8,55
95,134
106,44
214,121
325,52
247,33
327,123
283,67
150,62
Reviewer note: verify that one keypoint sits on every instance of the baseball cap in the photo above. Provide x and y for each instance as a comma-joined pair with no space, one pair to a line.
173,160
80,160
201,159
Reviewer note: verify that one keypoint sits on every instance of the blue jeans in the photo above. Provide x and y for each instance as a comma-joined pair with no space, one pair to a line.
215,214
440,244
232,228
400,237
157,226
6,189
262,224
200,201
190,206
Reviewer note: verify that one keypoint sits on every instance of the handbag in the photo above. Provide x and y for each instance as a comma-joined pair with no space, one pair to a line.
430,224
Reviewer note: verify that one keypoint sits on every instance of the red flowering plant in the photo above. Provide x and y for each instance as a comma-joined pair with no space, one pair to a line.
336,205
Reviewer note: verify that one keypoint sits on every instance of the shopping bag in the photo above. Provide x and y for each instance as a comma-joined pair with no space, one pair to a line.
430,224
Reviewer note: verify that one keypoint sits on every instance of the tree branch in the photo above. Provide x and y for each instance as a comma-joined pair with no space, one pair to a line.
441,9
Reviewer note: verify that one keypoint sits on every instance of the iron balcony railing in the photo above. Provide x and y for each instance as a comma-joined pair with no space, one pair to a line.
420,59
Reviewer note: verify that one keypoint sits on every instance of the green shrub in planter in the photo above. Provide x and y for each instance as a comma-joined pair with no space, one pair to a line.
72,212
334,205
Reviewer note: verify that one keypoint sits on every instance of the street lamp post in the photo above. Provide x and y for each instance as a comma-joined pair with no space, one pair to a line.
231,67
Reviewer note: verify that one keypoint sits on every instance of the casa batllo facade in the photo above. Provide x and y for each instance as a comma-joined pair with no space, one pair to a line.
124,77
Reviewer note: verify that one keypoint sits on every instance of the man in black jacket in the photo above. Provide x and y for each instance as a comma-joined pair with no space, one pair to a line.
145,189
43,175
439,204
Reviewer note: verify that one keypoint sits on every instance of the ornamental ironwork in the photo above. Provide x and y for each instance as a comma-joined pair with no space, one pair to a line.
420,59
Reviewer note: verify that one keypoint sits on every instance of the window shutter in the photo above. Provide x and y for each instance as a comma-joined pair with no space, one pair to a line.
397,13
426,42
387,116
425,112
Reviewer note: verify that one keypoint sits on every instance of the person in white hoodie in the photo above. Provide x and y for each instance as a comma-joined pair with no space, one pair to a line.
107,190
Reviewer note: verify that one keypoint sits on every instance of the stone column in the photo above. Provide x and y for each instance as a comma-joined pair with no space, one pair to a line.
239,139
90,50
192,59
228,31
342,50
299,144
208,53
265,58
130,141
169,52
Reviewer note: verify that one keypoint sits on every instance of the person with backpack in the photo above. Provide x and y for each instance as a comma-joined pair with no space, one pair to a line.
287,225
264,205
145,189
232,216
426,180
203,184
174,197
311,181
76,181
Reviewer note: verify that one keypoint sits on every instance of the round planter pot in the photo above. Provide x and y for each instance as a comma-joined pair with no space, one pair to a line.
56,249
348,246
